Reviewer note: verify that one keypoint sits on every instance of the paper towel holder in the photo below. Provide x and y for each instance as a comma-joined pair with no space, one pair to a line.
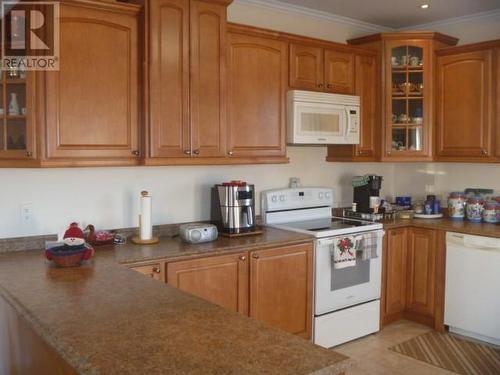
137,239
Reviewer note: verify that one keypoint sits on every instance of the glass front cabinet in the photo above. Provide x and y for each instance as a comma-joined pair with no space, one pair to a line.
16,126
408,61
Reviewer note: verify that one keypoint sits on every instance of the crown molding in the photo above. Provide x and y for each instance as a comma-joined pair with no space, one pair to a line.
324,16
454,20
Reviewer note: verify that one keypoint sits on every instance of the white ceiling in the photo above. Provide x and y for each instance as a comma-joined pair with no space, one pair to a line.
398,13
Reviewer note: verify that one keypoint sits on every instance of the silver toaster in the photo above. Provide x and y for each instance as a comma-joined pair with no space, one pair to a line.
198,233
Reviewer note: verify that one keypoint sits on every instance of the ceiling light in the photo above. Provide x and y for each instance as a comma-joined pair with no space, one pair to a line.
424,6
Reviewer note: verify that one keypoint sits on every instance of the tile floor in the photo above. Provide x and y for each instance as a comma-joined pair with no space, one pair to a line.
372,355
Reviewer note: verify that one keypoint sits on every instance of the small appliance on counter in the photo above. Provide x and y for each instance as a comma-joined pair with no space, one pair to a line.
198,233
233,208
367,193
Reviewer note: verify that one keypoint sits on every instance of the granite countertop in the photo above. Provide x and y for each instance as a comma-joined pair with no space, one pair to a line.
104,318
173,248
448,225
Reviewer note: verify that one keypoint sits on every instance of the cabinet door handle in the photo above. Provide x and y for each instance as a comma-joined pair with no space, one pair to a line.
135,152
29,154
243,258
196,152
156,270
230,153
485,152
320,85
255,256
329,86
187,152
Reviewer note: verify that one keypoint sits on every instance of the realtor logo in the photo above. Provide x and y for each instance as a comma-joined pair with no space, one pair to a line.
30,35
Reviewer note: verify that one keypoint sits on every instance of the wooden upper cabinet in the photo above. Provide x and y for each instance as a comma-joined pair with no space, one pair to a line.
339,72
257,74
169,128
92,101
222,280
421,266
208,94
464,105
395,260
306,67
368,88
281,288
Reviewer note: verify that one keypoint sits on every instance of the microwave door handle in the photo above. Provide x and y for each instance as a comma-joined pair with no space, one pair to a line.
347,122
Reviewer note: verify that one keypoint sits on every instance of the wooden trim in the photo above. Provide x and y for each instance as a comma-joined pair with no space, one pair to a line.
468,47
447,39
216,161
440,281
119,7
294,38
219,2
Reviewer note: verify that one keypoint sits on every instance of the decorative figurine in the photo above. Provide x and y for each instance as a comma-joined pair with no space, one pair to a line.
73,251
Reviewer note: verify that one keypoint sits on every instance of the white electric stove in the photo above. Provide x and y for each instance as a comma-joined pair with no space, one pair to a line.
347,301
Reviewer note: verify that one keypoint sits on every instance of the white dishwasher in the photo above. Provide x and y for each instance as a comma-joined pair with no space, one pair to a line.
472,295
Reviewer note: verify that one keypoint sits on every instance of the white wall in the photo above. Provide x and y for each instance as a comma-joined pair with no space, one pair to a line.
108,197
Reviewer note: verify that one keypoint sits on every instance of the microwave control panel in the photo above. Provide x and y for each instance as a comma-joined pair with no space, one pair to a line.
354,119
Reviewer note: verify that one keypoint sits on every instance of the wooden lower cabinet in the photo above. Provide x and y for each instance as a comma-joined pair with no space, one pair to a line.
410,275
281,288
421,269
270,285
154,271
394,283
222,280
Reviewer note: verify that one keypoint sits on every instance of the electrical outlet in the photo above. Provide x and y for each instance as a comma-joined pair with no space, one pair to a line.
27,213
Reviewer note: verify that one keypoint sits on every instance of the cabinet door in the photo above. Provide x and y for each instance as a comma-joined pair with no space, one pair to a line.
222,280
395,261
169,134
464,107
421,270
339,72
368,88
256,96
153,271
281,288
208,44
306,67
92,101
17,121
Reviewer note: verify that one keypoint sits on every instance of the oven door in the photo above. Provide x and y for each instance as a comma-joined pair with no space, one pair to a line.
339,288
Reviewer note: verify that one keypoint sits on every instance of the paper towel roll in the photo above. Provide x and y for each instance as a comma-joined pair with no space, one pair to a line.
145,225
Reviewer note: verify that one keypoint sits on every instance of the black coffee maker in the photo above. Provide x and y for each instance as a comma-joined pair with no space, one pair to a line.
367,192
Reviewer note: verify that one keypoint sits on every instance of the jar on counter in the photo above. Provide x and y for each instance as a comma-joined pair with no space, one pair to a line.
490,212
456,205
475,207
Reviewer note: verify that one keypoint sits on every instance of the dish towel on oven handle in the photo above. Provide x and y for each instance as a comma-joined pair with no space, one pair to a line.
367,244
343,252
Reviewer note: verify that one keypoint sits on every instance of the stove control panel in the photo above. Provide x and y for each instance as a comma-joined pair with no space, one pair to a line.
296,198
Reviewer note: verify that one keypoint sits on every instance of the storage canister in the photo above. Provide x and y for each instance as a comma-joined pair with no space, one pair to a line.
474,209
456,205
490,212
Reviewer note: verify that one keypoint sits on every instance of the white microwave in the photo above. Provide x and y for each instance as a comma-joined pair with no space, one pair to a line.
317,118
